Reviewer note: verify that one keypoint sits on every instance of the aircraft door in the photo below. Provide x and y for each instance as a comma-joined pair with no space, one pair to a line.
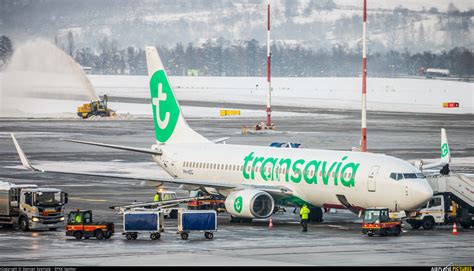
371,180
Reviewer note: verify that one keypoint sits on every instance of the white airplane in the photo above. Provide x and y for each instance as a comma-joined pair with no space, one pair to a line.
254,179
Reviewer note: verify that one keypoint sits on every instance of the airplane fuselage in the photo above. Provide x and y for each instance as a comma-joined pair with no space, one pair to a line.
320,177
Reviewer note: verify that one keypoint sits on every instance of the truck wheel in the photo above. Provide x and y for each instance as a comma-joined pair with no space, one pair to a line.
108,234
134,236
24,226
428,223
466,224
129,236
209,235
370,234
184,236
155,236
78,235
99,234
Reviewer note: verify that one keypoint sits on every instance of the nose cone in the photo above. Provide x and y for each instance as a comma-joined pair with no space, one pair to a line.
421,192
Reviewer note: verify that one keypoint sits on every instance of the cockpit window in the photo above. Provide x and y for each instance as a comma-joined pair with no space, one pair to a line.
401,176
409,175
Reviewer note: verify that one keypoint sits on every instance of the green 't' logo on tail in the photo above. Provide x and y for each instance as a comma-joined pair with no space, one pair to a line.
238,204
165,108
444,150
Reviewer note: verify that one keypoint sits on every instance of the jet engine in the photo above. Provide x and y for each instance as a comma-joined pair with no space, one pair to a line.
250,203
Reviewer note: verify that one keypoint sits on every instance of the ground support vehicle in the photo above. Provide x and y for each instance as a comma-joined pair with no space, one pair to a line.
214,202
31,207
95,108
377,222
453,201
143,221
197,221
441,210
80,225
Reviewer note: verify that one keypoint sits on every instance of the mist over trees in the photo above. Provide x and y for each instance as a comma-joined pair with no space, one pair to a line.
248,58
315,24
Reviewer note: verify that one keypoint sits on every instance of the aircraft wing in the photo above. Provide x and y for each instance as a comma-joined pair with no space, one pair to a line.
199,183
119,147
276,192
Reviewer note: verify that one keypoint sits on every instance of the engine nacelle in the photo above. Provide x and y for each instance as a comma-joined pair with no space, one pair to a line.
250,203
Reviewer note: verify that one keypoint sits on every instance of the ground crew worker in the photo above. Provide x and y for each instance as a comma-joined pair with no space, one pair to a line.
304,213
78,218
157,197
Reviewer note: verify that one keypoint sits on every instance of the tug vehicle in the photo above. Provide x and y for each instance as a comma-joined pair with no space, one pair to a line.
80,224
377,222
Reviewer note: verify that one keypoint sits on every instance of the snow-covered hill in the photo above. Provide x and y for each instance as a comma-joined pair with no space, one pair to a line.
417,25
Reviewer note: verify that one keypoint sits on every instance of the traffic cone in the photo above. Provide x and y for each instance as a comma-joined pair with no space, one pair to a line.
270,223
455,229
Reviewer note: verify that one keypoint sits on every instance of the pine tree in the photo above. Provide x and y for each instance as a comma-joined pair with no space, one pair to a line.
6,50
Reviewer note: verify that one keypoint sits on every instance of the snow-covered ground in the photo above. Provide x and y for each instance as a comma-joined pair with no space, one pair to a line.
383,94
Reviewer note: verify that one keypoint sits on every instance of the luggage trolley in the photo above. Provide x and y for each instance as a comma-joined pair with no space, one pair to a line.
139,221
197,220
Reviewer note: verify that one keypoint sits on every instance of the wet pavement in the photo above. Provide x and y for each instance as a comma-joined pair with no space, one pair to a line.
336,241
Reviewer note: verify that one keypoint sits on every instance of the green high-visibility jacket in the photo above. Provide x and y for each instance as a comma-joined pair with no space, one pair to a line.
304,212
157,197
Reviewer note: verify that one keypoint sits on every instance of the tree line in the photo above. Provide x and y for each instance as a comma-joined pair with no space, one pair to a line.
222,57
248,58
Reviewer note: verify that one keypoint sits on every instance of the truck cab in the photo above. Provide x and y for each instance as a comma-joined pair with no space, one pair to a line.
441,210
172,210
41,208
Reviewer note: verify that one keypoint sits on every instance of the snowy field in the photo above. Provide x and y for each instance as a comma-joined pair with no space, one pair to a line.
383,94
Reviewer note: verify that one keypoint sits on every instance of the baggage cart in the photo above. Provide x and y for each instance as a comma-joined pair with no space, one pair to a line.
197,221
140,222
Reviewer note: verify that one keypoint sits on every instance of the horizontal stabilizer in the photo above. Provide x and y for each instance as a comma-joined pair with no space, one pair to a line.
125,148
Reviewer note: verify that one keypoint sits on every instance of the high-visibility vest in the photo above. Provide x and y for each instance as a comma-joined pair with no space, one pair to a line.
156,198
304,211
78,218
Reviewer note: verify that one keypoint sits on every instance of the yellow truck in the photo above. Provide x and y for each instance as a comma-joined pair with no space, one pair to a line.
95,108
